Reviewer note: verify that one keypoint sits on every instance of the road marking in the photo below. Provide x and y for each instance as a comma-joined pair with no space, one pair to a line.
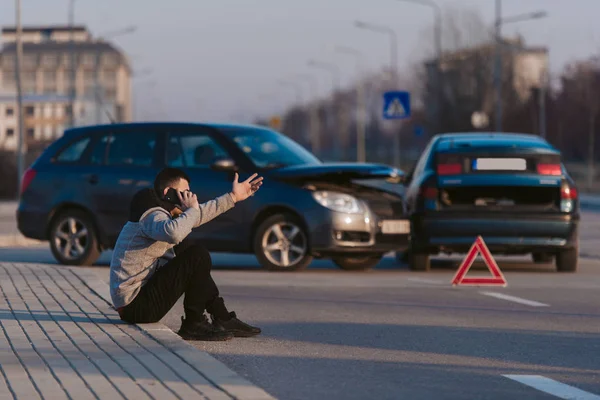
423,280
553,387
515,299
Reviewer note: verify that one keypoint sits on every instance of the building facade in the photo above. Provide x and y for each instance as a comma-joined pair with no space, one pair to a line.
467,79
101,72
45,117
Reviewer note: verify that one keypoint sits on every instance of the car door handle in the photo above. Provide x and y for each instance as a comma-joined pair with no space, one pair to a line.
93,179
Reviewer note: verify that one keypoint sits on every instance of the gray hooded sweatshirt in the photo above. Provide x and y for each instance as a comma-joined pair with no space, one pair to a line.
146,243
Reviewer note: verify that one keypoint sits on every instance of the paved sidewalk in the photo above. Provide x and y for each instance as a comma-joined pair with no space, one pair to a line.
61,339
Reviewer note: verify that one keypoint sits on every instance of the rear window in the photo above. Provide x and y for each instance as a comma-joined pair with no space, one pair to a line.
73,152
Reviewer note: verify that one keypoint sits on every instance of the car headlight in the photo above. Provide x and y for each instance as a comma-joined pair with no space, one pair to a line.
338,202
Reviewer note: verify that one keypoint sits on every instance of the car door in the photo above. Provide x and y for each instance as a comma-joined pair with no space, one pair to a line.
126,161
195,151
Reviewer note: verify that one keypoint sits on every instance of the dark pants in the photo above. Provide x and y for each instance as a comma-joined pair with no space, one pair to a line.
189,274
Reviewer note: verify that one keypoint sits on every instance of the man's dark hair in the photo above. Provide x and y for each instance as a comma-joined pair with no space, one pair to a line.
168,177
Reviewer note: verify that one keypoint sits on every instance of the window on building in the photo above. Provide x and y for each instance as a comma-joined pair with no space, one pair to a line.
111,94
8,77
131,149
10,132
9,111
89,59
30,133
30,111
30,60
110,77
49,75
50,59
74,151
88,75
8,61
111,59
193,150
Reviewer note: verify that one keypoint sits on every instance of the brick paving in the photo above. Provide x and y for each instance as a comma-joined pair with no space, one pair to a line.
60,339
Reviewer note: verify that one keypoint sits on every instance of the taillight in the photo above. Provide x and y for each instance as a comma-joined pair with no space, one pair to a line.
27,178
568,193
429,193
549,169
449,169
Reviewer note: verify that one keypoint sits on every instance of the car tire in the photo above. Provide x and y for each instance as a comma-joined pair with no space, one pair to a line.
402,257
294,239
357,263
541,258
419,261
567,260
80,247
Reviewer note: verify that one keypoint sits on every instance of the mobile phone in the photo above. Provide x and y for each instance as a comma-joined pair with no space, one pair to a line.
172,197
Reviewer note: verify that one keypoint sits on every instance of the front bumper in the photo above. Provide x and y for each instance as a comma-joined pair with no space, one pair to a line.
502,233
334,233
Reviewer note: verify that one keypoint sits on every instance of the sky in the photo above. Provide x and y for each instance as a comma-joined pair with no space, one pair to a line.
222,60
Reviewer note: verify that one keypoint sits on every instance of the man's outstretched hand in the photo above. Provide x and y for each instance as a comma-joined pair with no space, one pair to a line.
242,190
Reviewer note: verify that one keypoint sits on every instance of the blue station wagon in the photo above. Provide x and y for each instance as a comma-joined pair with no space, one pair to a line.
512,189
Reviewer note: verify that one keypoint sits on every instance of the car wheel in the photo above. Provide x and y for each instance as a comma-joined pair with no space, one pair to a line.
357,263
567,260
541,258
419,262
281,244
73,239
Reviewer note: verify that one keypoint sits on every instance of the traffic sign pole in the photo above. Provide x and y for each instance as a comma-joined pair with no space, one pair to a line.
396,105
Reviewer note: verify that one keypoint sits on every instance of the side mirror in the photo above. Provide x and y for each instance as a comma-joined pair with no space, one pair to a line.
224,164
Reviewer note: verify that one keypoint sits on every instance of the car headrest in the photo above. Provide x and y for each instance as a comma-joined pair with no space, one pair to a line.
204,154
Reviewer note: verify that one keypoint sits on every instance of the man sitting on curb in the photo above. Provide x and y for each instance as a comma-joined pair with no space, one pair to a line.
153,263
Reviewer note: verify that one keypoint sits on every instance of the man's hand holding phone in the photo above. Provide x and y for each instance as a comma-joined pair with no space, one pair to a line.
187,200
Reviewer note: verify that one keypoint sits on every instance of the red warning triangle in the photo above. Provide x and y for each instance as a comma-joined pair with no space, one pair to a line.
479,247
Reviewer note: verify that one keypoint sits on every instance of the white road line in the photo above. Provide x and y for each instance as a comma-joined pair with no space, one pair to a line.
553,387
515,299
423,280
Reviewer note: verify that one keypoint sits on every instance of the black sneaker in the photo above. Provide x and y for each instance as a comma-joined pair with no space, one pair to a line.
236,327
202,330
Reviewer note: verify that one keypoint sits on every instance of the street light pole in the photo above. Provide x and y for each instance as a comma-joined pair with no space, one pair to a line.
18,59
361,127
314,113
498,65
393,70
97,87
73,77
498,50
337,110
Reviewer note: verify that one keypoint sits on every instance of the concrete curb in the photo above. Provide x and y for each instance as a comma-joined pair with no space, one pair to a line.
8,208
18,240
213,370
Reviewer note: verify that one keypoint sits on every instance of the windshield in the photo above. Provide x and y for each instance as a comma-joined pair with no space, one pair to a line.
269,149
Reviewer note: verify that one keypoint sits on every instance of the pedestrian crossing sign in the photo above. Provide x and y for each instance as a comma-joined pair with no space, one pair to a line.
396,105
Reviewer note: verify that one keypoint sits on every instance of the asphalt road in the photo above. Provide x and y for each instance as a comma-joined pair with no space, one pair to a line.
392,333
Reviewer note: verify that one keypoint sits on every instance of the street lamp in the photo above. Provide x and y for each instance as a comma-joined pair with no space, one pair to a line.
394,70
360,101
314,112
498,40
125,31
18,58
335,72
